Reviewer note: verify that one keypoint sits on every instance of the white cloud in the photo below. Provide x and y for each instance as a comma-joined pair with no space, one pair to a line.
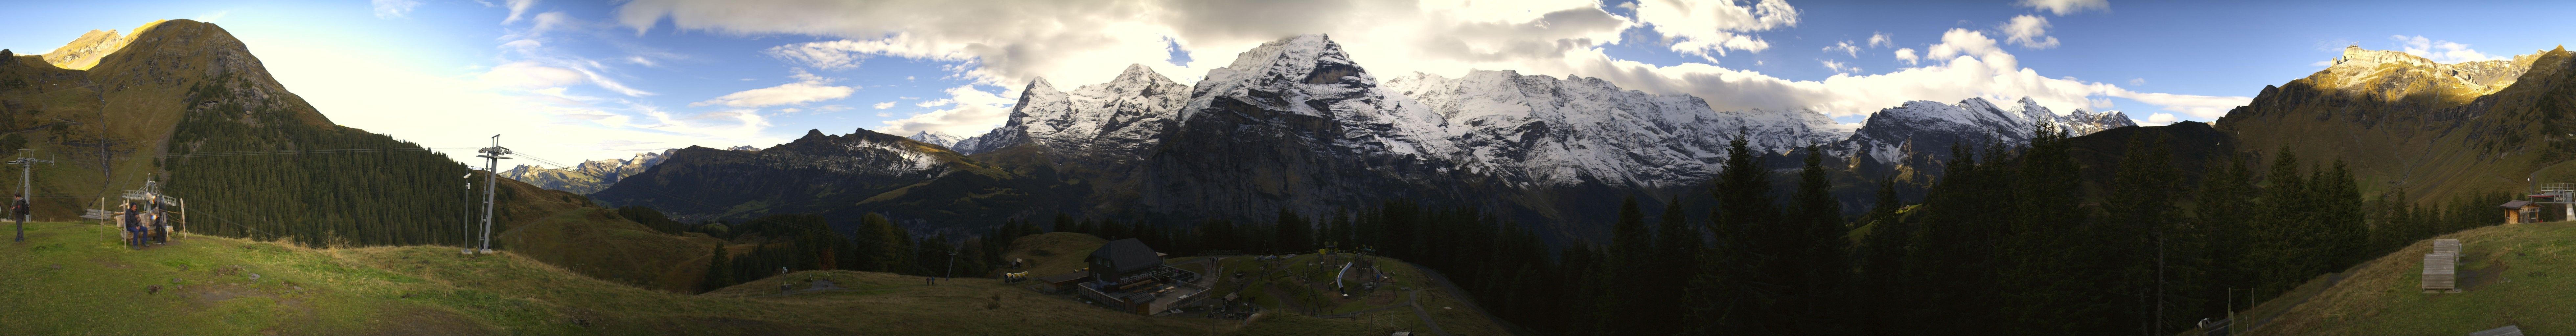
2204,107
1089,42
2029,31
518,8
2439,51
2321,64
1877,40
975,112
530,75
1962,42
935,103
884,105
388,9
1702,27
1972,67
212,16
2137,81
2063,7
379,91
2161,119
1846,47
808,88
1839,67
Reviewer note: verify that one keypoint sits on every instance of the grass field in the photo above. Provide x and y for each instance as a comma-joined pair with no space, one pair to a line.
2520,274
72,278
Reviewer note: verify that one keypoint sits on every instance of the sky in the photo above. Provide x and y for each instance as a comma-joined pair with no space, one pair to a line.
567,81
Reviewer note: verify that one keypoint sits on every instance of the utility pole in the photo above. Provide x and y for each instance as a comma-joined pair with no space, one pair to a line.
492,157
952,261
469,212
25,189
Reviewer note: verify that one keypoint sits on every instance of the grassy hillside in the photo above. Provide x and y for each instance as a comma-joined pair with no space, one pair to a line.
1051,253
66,278
2510,274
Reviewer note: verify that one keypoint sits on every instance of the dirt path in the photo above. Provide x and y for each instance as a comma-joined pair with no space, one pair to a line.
1426,316
1461,295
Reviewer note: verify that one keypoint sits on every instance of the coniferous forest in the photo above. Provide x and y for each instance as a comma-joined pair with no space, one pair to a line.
355,189
2009,242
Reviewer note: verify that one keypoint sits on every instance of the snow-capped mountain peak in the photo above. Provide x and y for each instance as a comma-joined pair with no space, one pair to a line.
1115,120
936,138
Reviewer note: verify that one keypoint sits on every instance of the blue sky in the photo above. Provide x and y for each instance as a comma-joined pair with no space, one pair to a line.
573,80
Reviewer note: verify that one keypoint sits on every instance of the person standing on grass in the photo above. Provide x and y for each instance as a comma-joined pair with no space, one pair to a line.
133,226
18,212
159,223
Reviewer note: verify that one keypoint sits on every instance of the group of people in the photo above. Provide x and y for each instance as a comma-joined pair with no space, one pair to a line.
145,225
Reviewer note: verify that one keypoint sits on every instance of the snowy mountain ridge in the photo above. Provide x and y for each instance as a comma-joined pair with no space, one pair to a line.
936,138
1930,126
1527,130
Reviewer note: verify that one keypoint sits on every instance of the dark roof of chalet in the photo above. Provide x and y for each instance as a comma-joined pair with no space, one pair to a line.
1064,278
2514,204
1130,255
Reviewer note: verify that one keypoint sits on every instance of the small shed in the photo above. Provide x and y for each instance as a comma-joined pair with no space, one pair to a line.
1061,283
2441,268
2520,212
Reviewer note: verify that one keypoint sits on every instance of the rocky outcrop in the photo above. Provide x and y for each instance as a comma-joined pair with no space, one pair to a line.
85,51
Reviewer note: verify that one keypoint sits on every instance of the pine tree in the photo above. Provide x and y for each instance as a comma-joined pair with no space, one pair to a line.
719,270
1881,263
1631,248
2279,254
1818,264
2141,204
1724,296
1675,241
1294,232
880,237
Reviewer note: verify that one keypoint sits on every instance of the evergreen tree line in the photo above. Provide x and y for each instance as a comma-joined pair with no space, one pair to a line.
2009,242
409,197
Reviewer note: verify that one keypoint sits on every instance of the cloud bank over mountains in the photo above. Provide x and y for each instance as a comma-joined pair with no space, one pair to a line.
1089,42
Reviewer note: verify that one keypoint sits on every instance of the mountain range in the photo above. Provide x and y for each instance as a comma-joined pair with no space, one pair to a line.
1296,125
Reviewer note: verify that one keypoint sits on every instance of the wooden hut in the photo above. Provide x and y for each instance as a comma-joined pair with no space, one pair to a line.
2441,268
2520,212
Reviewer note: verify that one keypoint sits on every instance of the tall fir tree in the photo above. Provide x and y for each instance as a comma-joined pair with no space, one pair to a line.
2280,253
1819,266
719,270
1631,256
1725,296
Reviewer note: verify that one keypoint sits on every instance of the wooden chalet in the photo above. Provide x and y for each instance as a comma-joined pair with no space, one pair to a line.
1128,276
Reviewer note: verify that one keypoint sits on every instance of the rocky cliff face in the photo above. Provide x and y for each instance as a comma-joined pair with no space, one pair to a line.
2436,130
1295,124
1110,124
2363,69
85,51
